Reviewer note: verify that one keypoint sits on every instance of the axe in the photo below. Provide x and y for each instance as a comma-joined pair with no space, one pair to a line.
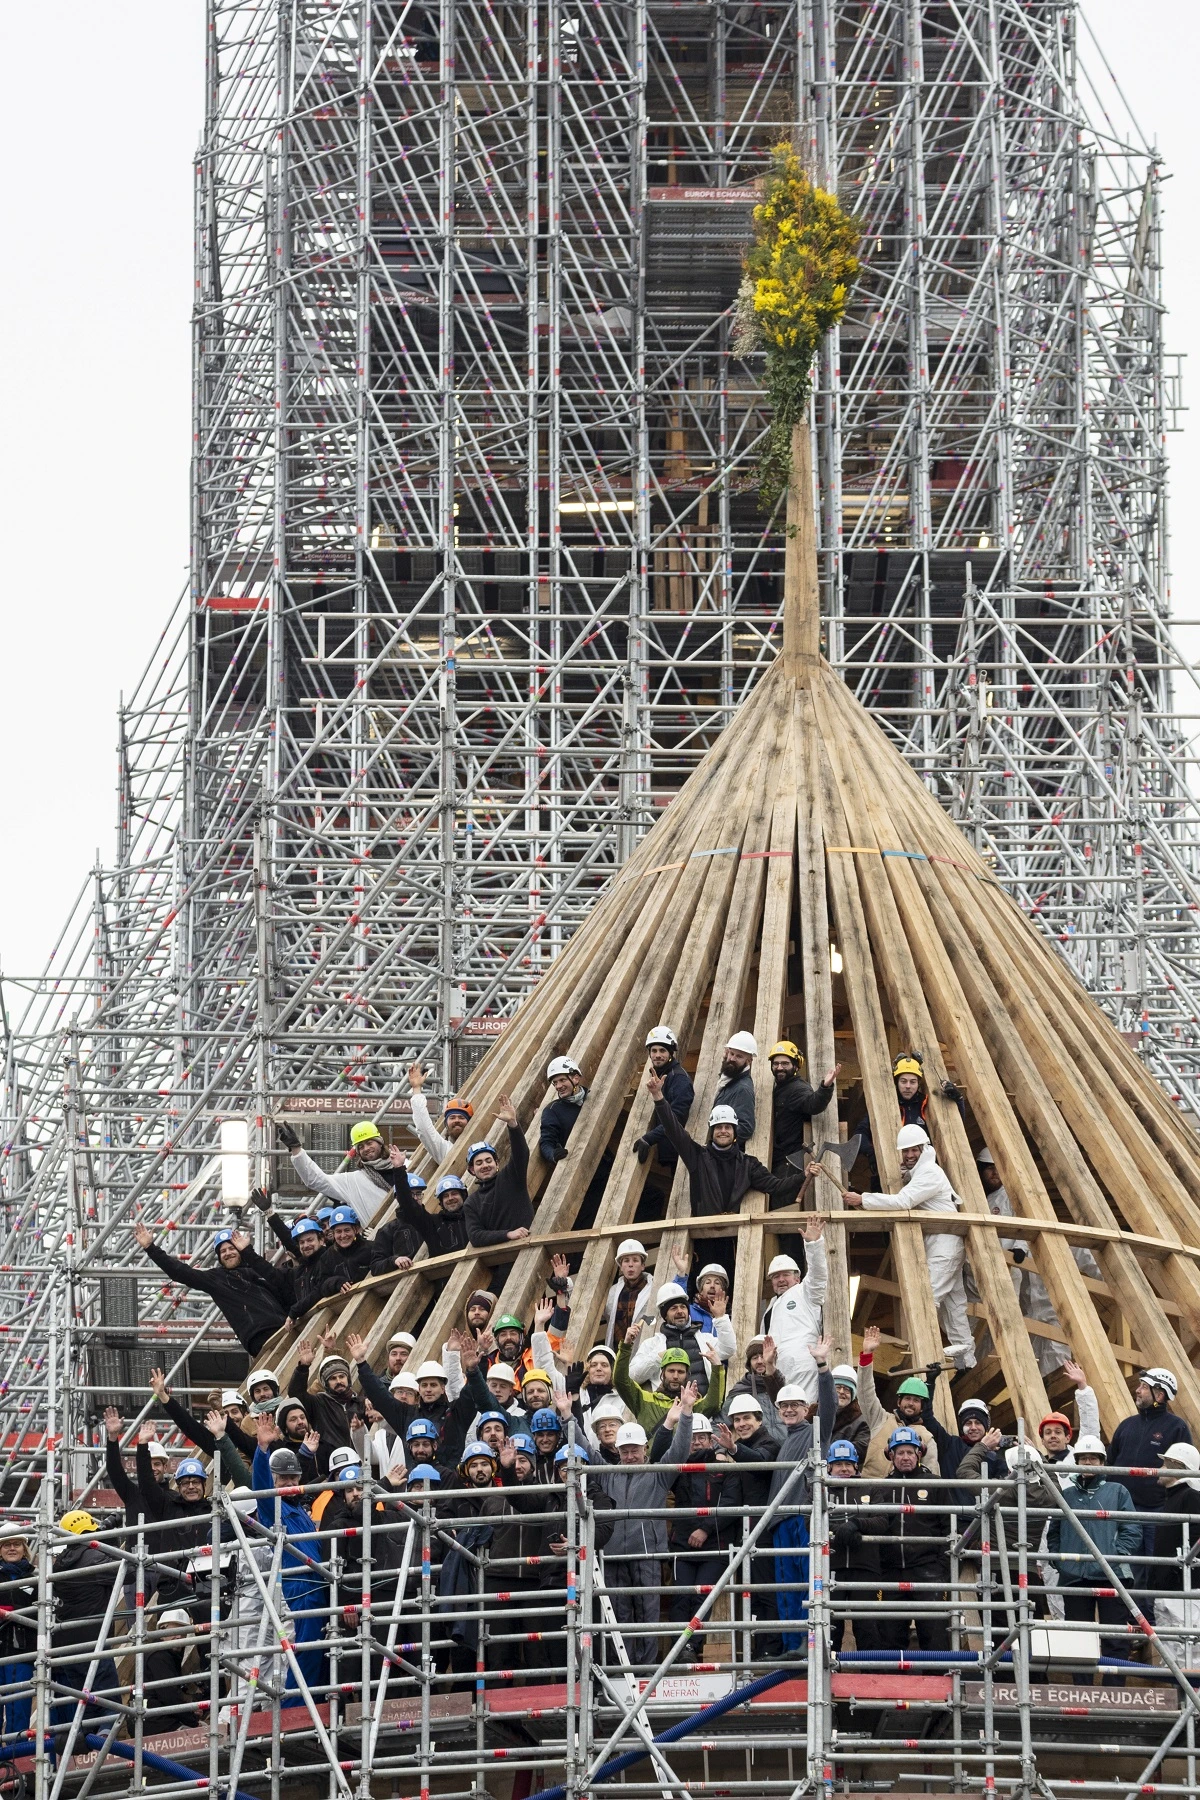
847,1155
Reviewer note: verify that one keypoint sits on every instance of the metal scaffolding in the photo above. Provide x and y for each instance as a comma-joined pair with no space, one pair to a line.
348,1660
480,570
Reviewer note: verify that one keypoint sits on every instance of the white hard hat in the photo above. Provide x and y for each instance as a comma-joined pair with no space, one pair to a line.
701,1423
257,1376
611,1407
630,1247
743,1041
985,1157
605,1350
630,1434
431,1371
662,1034
502,1372
332,1362
722,1115
174,1615
159,1452
345,1456
243,1501
402,1337
845,1376
669,1295
561,1065
1089,1446
778,1265
1163,1378
405,1379
1186,1455
1021,1453
790,1391
909,1137
714,1269
743,1403
231,1397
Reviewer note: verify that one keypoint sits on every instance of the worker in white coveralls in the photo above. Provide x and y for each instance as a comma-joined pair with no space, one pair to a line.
792,1318
927,1189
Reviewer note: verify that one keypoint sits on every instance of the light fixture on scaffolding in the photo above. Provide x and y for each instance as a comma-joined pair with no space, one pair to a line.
235,1162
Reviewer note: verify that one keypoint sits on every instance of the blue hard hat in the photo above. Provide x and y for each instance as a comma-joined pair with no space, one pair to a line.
497,1418
222,1237
842,1450
191,1465
324,1213
476,1447
423,1472
351,1472
475,1149
449,1184
343,1215
904,1434
521,1440
545,1419
566,1452
421,1428
303,1225
417,1182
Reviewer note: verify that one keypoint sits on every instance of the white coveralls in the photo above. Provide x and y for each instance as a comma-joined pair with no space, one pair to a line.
358,1188
927,1189
1032,1294
793,1319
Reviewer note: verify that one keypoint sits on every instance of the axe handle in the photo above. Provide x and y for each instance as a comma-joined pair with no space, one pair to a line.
837,1184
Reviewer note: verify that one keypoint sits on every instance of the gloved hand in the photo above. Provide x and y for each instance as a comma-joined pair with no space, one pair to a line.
932,1371
287,1137
260,1198
951,1091
574,1378
1019,1256
642,1148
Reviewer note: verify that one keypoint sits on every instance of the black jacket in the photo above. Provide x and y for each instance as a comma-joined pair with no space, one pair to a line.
331,1414
903,1510
557,1122
1138,1443
452,1417
307,1272
851,1550
850,1423
738,1092
679,1094
1168,1538
717,1484
18,1592
81,1601
496,1207
191,1520
720,1179
254,1297
346,1522
687,1338
351,1265
444,1233
759,1447
793,1103
397,1238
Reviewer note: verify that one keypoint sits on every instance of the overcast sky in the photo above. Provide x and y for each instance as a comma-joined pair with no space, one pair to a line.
98,140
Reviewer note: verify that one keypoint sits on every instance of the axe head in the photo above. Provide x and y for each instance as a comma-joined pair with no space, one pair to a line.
847,1154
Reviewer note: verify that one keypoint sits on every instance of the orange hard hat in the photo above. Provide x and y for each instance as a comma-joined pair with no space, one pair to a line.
1057,1418
455,1105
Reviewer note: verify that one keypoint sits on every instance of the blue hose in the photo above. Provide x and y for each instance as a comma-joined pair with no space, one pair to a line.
163,1764
683,1729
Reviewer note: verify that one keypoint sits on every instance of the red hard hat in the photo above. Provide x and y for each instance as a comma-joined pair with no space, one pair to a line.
1057,1418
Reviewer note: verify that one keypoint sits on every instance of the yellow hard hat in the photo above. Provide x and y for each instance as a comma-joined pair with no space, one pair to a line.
363,1132
537,1375
785,1047
79,1522
908,1064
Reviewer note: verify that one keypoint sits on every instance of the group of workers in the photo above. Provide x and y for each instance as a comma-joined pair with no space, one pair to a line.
680,1440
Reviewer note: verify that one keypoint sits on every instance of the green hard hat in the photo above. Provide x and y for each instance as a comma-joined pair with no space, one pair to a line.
914,1385
508,1323
675,1356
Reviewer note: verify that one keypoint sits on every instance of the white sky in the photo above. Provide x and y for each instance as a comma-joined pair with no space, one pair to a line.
96,217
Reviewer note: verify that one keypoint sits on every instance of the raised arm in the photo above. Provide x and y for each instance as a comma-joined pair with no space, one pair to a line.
685,1147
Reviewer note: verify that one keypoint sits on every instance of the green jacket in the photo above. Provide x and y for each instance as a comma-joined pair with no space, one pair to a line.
650,1406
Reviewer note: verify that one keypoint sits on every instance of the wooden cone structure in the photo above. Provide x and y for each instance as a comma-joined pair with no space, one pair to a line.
803,842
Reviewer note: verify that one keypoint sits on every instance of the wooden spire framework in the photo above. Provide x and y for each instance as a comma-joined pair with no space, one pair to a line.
804,843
